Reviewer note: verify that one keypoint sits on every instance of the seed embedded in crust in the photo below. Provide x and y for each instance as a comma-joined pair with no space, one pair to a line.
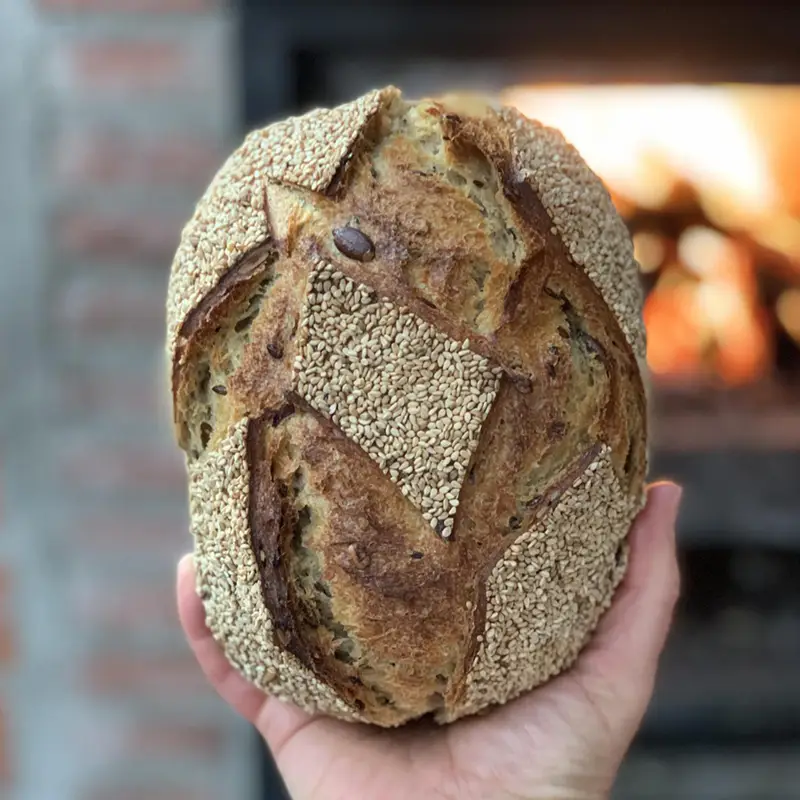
354,244
547,592
410,396
219,389
219,497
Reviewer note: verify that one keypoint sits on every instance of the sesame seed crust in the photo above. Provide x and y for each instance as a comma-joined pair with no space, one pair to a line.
228,223
335,414
547,592
410,396
230,220
228,580
583,215
308,151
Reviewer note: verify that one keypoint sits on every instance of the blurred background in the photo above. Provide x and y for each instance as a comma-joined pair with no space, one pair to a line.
114,114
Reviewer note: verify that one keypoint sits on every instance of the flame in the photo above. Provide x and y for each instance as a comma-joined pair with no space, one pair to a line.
642,140
788,311
649,250
711,317
675,342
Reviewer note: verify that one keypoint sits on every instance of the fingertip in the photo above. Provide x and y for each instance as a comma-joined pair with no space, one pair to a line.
185,579
653,540
623,654
190,607
664,500
245,698
186,568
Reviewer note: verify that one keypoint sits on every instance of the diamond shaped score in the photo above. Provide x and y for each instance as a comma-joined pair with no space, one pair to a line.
413,398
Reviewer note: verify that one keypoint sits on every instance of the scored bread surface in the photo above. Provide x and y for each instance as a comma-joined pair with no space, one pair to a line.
410,396
407,354
230,219
584,217
540,610
228,578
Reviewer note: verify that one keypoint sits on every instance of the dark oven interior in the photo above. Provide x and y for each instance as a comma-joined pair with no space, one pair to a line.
692,118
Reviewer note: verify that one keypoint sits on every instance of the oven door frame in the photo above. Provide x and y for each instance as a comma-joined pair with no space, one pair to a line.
287,45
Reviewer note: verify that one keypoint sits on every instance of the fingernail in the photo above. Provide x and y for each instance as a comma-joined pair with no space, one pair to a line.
668,496
185,562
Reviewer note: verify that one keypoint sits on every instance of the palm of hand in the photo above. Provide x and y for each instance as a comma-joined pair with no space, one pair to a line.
564,740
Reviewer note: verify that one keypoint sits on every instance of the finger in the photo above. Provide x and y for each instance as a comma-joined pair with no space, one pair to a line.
277,722
624,651
245,698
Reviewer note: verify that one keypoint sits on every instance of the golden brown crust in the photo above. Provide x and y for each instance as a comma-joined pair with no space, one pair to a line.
228,578
314,489
311,152
584,217
453,216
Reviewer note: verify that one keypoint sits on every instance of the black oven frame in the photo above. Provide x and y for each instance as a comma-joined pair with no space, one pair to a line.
288,44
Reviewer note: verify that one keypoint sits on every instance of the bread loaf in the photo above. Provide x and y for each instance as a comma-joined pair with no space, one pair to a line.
408,373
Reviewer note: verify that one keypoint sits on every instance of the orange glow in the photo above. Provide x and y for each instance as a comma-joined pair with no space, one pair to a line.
675,343
643,139
788,310
725,151
714,319
649,250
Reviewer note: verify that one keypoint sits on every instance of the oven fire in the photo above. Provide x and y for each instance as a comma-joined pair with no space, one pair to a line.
708,179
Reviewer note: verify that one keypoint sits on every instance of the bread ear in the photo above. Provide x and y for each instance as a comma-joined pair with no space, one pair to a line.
314,151
229,222
311,152
584,217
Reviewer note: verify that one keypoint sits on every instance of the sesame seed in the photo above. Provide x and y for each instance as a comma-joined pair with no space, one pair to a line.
230,221
228,579
568,562
402,367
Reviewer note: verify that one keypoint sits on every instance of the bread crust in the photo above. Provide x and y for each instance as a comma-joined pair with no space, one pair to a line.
366,612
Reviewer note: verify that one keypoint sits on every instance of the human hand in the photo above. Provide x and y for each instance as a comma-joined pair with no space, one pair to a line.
565,739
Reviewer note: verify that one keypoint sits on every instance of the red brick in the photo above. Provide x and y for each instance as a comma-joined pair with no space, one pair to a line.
126,535
130,6
129,66
126,606
106,466
7,633
122,237
174,740
137,673
8,650
113,305
5,586
125,396
93,158
5,747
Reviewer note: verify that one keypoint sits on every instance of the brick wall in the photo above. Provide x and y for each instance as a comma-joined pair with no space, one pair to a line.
115,114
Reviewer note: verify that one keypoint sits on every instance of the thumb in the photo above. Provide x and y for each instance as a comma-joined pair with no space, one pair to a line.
619,665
